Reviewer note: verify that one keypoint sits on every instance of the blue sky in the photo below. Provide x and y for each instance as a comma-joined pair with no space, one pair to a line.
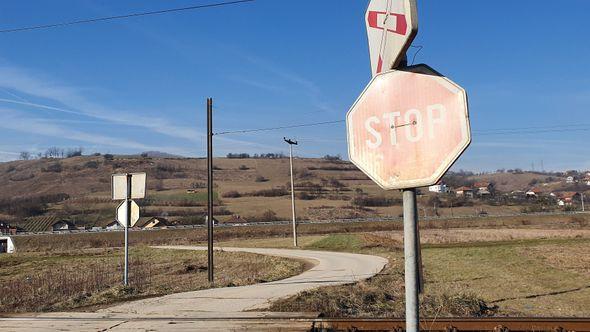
140,84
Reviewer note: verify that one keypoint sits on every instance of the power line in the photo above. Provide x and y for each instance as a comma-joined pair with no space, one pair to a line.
245,131
483,132
118,17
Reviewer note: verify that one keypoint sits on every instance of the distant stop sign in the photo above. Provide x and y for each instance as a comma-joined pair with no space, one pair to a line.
408,127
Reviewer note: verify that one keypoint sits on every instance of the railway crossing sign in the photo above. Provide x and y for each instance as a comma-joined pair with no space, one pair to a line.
119,188
122,214
391,28
408,127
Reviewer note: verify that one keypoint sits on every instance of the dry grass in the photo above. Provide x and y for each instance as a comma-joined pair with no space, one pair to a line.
534,277
442,236
34,282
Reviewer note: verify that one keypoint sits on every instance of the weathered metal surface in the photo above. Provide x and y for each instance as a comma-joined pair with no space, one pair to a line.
456,324
391,27
408,127
119,186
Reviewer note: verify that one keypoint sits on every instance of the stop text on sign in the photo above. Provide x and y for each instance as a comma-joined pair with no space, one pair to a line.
412,126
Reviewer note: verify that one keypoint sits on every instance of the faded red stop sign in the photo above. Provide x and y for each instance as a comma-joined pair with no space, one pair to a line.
408,127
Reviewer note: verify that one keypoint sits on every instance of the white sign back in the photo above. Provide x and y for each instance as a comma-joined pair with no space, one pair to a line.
391,28
122,213
119,188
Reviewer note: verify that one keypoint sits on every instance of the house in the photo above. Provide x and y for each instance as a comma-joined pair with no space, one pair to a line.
6,229
534,193
465,192
6,245
518,194
570,179
46,224
111,225
439,188
568,198
587,180
151,222
484,188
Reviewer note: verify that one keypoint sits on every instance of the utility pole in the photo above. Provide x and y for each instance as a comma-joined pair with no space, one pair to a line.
583,208
291,143
210,188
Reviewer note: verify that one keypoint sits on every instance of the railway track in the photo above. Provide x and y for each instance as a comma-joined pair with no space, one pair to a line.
455,324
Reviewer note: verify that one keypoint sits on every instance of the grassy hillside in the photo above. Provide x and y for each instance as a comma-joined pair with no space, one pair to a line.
78,189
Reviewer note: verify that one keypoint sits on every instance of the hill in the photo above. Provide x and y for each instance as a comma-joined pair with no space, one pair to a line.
252,189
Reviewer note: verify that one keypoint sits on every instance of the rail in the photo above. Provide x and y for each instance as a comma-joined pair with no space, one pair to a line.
496,324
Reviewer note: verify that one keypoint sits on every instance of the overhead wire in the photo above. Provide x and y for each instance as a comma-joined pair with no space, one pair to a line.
125,16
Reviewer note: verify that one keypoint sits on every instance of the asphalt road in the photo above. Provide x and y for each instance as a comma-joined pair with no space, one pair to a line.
217,309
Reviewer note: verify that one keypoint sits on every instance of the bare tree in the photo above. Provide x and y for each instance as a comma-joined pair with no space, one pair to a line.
25,155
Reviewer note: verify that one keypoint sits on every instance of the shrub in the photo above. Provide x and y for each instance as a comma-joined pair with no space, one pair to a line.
304,195
333,158
362,201
55,168
268,215
243,168
91,164
108,156
74,152
231,194
275,192
261,178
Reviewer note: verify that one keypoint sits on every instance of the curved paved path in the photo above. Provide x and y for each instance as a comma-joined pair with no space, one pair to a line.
217,309
331,268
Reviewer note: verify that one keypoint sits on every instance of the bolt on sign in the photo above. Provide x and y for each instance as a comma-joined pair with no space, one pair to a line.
391,28
408,127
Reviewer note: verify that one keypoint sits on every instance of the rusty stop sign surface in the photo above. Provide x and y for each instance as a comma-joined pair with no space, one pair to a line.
408,127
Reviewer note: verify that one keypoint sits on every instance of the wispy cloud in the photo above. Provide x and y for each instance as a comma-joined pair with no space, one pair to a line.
309,88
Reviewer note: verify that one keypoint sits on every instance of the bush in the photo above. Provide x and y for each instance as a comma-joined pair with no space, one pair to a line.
91,164
275,192
55,168
268,215
231,194
261,178
108,156
333,158
304,195
74,153
362,201
243,168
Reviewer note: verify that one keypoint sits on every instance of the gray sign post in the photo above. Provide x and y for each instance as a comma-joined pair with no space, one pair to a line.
128,186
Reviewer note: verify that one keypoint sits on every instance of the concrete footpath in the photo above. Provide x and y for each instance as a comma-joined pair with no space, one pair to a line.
217,309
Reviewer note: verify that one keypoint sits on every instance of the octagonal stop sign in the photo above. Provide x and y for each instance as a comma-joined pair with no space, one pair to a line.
408,127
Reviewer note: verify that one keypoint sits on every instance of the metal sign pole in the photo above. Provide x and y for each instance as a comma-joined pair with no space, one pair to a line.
411,247
210,188
127,223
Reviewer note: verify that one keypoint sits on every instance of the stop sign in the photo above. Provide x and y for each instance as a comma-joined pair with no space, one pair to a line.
408,127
